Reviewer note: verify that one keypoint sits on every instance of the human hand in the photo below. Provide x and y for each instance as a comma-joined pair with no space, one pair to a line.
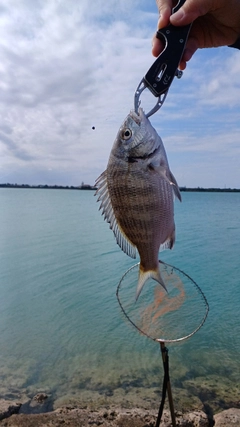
215,23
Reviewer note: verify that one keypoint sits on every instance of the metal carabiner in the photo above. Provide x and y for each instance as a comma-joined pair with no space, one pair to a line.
161,98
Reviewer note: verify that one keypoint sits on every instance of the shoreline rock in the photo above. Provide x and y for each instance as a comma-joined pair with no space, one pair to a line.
229,417
8,408
111,417
75,416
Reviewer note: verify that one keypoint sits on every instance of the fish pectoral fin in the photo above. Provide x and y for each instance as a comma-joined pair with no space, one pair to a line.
108,212
145,275
167,174
175,186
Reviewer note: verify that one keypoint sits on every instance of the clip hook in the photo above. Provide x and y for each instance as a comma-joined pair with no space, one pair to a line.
142,85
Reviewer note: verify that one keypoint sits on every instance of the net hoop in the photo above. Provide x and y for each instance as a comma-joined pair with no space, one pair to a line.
166,340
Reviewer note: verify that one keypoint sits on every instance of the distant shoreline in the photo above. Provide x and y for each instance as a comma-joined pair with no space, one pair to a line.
91,187
211,190
49,187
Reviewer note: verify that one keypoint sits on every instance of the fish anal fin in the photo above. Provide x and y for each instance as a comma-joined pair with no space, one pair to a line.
169,242
109,215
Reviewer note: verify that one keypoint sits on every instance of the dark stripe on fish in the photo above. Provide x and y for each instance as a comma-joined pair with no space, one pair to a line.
132,159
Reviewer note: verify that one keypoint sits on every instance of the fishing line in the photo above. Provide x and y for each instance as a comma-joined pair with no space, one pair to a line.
171,316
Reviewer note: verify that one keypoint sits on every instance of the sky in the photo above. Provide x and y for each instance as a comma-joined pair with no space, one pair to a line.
67,66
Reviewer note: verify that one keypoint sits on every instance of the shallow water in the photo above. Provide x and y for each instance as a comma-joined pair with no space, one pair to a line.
61,328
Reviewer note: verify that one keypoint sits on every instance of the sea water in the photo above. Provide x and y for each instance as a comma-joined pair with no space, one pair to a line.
61,328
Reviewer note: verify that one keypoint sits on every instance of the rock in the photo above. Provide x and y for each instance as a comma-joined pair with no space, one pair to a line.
8,408
39,404
117,417
113,417
195,419
230,417
40,397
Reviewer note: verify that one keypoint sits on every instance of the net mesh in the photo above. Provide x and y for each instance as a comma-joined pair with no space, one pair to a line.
163,316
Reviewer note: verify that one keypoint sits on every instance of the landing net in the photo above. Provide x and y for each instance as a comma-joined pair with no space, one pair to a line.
161,316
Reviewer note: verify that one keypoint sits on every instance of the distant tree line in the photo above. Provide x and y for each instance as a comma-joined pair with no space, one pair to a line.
51,187
211,189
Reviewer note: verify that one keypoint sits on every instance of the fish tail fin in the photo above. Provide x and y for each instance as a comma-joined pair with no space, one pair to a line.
145,275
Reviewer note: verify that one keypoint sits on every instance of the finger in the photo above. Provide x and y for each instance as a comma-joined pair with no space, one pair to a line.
157,46
191,47
165,10
190,11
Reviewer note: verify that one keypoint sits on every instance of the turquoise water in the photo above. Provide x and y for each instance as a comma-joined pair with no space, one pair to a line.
61,328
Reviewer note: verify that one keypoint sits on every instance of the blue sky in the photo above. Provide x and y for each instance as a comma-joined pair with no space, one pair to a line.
66,66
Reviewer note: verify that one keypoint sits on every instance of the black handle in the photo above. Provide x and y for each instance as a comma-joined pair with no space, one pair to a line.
161,74
180,3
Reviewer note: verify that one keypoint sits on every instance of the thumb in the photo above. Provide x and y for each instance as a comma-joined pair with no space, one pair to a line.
191,10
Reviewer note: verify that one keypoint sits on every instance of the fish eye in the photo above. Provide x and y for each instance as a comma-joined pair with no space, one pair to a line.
126,134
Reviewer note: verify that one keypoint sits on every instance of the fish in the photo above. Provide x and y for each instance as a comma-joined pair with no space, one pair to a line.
137,192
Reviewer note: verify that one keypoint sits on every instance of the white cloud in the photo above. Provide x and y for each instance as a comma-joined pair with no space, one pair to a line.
217,82
63,72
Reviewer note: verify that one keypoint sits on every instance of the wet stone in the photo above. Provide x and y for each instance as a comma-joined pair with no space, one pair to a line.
40,397
8,408
39,404
230,417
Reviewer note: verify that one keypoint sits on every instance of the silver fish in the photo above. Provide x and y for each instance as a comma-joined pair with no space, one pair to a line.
137,194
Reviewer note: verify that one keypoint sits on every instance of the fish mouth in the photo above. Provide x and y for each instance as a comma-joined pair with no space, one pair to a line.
137,117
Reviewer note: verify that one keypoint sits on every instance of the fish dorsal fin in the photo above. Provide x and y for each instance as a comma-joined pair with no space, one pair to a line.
109,216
